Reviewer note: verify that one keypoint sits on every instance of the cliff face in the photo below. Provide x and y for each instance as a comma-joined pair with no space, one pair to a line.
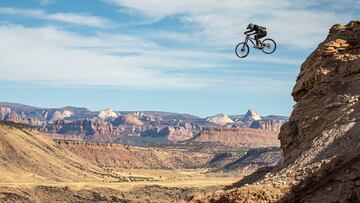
7,115
272,125
321,140
87,129
327,93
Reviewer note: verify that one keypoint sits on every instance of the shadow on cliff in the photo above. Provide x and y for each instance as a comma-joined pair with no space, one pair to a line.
346,151
252,178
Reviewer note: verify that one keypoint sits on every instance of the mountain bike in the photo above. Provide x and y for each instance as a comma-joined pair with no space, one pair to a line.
268,46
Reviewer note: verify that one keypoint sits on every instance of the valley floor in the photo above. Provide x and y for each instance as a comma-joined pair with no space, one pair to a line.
146,177
140,185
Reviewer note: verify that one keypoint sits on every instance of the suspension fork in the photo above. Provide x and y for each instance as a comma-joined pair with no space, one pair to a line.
245,42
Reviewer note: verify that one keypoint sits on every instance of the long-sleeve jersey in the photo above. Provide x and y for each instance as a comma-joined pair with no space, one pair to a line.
256,28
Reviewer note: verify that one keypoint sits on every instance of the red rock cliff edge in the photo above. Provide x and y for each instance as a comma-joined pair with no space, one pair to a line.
321,141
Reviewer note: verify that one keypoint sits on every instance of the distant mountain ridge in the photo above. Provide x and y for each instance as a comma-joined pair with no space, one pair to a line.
129,127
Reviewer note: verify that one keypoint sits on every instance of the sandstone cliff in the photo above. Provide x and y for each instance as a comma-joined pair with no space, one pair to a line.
321,140
272,125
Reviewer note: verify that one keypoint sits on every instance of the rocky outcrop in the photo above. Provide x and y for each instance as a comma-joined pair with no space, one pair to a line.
252,119
272,125
326,91
321,140
6,114
87,129
128,120
220,119
107,113
251,115
172,133
59,115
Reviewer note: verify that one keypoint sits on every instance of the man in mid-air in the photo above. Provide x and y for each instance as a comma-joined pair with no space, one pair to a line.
258,30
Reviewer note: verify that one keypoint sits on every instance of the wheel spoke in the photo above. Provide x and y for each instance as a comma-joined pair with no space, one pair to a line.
269,47
242,50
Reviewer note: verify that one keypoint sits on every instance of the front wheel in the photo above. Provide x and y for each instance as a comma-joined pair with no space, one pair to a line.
242,50
269,46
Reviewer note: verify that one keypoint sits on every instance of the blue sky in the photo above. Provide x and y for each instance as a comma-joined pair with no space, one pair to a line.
161,55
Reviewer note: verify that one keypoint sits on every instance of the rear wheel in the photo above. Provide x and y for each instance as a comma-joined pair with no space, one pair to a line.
269,46
242,50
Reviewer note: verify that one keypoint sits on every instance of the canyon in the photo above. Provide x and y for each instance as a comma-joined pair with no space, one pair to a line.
73,154
34,167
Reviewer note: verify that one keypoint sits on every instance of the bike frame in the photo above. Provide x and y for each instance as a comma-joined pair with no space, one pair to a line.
252,40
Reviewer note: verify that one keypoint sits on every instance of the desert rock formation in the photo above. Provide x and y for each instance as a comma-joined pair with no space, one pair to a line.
251,115
220,119
107,113
138,128
268,124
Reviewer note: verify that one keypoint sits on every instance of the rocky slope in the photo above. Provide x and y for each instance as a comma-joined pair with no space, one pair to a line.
321,140
244,137
125,156
28,156
33,168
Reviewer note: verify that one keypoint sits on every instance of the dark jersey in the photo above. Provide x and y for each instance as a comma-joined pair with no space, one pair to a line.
258,29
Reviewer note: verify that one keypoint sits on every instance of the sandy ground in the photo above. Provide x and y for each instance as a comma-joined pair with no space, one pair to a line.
146,177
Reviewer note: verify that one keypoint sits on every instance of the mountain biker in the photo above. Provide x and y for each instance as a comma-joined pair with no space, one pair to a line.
258,30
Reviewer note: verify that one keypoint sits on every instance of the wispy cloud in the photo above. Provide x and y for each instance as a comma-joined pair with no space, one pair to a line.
299,24
73,18
51,55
